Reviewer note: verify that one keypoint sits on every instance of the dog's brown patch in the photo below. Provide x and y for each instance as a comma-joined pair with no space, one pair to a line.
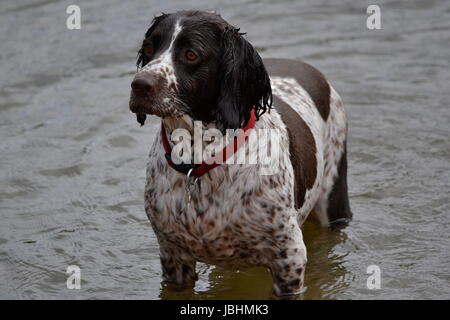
302,150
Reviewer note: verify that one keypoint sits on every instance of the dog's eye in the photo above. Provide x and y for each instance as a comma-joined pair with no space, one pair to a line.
191,56
148,51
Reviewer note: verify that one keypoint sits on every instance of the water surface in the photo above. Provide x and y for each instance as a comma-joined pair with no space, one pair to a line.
72,167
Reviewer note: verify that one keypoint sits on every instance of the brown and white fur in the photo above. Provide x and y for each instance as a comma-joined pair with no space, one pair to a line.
239,217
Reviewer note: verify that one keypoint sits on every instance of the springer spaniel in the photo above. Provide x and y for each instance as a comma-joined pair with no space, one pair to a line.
194,66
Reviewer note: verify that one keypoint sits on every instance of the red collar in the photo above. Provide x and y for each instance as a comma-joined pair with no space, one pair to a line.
197,170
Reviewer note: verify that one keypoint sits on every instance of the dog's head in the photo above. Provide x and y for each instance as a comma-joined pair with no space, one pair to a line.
195,63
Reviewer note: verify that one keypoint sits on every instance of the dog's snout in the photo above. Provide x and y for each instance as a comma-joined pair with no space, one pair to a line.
142,86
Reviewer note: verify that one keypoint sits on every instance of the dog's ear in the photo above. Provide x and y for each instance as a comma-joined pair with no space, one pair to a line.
244,82
142,59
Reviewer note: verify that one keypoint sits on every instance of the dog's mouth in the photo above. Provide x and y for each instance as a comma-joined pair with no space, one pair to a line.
143,106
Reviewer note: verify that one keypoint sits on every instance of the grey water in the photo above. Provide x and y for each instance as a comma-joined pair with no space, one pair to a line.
72,156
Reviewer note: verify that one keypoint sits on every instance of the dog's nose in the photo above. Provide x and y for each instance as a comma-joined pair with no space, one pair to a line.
142,86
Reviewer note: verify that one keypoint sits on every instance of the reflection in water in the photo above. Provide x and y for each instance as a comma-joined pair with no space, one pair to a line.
326,275
73,157
218,283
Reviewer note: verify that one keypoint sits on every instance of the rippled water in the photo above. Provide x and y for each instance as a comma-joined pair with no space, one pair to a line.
73,157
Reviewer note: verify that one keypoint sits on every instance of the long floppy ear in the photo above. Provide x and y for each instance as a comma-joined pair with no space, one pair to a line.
142,59
244,82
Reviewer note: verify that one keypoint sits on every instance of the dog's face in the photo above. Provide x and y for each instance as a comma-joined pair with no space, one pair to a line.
195,63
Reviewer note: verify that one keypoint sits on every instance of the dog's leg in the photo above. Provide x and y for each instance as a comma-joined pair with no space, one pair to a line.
338,208
288,265
333,208
177,267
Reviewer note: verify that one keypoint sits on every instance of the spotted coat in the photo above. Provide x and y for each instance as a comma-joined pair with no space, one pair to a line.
239,217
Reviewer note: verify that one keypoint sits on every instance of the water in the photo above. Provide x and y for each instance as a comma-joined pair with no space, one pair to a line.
73,157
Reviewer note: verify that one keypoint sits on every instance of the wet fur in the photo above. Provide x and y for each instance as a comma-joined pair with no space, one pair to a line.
239,217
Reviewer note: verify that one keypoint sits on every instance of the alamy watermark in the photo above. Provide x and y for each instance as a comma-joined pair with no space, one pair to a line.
73,21
256,147
373,21
374,280
74,279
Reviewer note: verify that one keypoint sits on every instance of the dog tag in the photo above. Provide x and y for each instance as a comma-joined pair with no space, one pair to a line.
188,194
191,188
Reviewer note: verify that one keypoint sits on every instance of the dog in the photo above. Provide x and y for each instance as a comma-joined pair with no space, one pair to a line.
194,66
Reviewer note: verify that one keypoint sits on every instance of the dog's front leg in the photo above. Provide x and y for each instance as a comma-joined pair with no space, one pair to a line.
288,265
177,267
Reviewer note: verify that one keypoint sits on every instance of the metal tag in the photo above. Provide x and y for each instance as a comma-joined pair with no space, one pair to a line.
191,188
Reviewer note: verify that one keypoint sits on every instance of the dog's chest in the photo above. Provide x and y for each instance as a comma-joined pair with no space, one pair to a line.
215,225
238,211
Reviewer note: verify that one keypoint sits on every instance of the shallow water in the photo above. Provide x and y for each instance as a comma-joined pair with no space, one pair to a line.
73,157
